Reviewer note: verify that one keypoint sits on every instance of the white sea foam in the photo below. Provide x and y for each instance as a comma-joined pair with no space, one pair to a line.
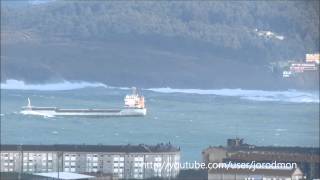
281,129
65,85
54,132
255,95
293,96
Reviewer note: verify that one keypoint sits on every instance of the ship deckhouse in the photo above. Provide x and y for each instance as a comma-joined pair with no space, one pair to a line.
134,100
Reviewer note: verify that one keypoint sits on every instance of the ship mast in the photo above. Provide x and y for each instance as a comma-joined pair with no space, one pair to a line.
134,91
29,103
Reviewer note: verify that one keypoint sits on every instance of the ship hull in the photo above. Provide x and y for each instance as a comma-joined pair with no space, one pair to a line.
52,112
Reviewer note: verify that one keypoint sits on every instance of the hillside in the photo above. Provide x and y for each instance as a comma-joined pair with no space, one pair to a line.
157,44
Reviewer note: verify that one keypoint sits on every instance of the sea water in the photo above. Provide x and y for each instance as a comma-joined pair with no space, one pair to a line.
191,119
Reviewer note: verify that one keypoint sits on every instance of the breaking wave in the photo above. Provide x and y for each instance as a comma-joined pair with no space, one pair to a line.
65,85
293,96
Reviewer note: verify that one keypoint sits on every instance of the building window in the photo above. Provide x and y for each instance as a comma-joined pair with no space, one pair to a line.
66,158
158,159
50,157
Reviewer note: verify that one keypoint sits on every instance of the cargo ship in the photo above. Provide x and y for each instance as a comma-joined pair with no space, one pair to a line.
134,105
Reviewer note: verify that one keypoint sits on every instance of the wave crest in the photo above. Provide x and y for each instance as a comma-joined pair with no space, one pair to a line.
64,85
293,96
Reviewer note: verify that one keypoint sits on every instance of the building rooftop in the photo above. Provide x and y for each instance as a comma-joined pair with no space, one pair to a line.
239,145
237,150
273,156
64,175
264,172
141,148
283,149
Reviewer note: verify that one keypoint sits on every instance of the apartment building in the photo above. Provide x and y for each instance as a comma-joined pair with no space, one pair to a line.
258,174
313,58
128,161
307,159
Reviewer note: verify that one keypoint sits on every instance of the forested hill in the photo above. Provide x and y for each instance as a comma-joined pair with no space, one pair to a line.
209,44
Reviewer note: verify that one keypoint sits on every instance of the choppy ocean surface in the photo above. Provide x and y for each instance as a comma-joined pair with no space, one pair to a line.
190,118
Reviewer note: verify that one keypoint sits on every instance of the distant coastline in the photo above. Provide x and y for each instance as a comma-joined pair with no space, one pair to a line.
203,45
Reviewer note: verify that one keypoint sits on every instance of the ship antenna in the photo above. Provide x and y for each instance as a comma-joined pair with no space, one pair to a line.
29,103
134,90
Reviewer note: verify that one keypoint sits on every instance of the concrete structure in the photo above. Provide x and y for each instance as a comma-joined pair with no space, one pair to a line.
236,151
304,70
64,175
286,74
46,176
258,174
103,176
122,161
303,67
313,58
